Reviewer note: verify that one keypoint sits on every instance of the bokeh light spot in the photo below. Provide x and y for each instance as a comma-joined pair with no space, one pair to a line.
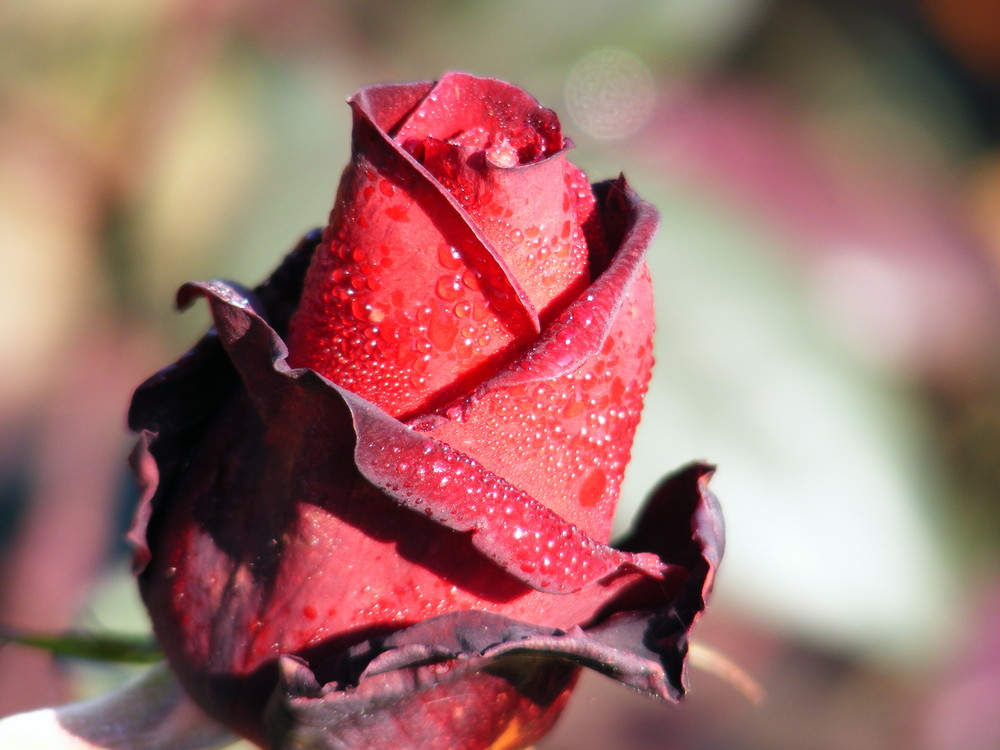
609,93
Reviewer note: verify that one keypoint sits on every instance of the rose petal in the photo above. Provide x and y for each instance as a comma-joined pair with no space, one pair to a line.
571,403
528,200
527,539
421,708
459,104
373,142
373,689
578,334
172,408
464,306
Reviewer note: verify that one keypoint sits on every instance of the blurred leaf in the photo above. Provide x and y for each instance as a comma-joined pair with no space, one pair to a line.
99,647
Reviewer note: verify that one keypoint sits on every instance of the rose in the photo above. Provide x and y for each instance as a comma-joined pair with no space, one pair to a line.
392,532
427,525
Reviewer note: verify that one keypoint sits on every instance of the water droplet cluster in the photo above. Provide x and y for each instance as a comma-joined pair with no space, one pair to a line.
573,433
509,526
535,228
510,129
395,311
404,311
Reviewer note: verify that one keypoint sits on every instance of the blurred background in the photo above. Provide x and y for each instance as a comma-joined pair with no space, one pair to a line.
827,271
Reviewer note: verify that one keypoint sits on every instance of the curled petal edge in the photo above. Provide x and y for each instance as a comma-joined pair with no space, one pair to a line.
642,649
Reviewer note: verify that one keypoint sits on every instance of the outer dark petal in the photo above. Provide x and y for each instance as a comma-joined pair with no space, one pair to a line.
377,684
172,409
682,522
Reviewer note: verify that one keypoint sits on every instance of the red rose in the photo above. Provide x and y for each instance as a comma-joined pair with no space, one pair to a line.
393,532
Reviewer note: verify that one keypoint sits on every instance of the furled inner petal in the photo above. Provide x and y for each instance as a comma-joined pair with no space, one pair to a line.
502,156
487,115
436,259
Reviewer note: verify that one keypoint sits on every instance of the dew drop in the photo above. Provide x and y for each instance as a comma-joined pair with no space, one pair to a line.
449,257
471,280
448,288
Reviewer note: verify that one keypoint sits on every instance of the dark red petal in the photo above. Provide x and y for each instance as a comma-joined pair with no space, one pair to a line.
172,408
682,521
510,705
371,695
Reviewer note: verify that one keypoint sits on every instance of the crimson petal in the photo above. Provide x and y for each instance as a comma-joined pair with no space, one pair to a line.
378,680
580,331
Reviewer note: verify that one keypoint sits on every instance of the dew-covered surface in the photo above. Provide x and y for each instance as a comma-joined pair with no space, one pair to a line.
470,517
306,520
445,249
411,322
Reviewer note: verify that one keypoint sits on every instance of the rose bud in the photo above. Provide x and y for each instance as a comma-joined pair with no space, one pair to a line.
378,495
